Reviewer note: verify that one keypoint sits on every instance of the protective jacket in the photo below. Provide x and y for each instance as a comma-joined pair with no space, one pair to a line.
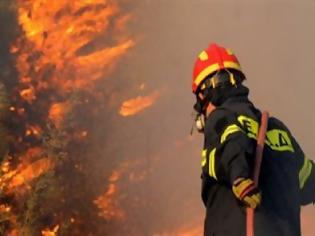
287,178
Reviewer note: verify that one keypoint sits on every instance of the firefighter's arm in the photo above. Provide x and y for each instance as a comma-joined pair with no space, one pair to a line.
237,153
229,159
306,175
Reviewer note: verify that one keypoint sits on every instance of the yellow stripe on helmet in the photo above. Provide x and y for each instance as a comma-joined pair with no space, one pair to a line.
205,72
232,65
213,68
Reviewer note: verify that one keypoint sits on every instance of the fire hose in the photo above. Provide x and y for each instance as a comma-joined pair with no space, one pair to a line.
258,159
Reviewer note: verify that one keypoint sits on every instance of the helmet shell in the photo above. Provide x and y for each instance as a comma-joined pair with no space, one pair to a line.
211,60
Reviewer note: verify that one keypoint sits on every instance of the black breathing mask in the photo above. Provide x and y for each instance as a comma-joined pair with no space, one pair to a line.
200,109
215,90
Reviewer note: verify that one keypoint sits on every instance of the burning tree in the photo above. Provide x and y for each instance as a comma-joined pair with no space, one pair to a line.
60,82
50,102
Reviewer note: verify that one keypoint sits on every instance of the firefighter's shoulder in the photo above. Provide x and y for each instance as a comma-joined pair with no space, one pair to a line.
219,119
274,122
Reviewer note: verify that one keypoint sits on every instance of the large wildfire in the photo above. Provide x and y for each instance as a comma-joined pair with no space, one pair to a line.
65,54
66,57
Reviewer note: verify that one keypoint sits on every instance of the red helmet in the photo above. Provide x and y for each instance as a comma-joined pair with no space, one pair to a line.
213,59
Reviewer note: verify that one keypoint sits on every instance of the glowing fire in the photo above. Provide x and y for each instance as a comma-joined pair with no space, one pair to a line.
195,230
25,174
48,232
138,104
65,49
64,45
28,94
57,112
107,202
34,130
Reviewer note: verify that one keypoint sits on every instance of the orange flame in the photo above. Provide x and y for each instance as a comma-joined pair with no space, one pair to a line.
57,113
48,232
107,203
4,208
138,104
61,52
65,44
195,230
31,172
25,174
28,94
5,167
66,48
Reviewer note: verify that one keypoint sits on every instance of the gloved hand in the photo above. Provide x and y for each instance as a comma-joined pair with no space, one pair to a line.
246,192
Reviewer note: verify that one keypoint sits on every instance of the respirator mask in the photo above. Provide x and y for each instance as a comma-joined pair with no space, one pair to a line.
200,109
211,91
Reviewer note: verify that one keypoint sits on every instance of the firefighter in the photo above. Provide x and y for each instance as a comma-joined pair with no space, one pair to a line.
230,124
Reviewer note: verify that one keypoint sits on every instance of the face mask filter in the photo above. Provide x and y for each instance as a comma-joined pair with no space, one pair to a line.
199,114
198,123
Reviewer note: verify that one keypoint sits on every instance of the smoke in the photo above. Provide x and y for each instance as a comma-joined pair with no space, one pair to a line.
273,41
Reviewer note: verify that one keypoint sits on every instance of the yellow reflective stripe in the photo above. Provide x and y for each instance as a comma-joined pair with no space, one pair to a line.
250,126
212,164
214,67
203,157
279,140
229,130
276,139
207,71
232,65
305,172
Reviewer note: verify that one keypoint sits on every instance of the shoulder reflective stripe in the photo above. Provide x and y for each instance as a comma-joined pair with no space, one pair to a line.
212,164
250,126
230,130
203,157
279,140
305,172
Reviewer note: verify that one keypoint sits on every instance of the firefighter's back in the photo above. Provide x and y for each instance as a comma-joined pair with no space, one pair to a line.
279,182
279,212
